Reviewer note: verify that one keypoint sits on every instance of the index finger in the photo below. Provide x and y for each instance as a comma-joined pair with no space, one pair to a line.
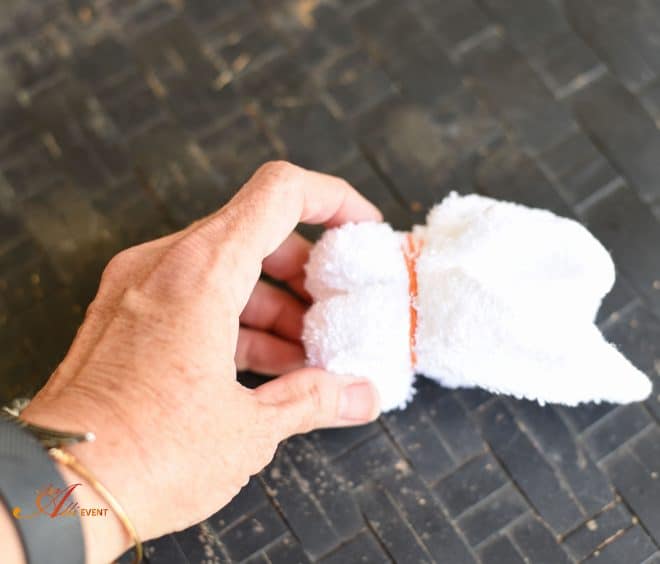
270,205
280,195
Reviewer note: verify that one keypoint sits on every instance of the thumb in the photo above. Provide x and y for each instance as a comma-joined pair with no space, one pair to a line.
312,398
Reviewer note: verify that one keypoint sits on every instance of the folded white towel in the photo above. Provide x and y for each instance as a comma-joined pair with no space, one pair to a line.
506,299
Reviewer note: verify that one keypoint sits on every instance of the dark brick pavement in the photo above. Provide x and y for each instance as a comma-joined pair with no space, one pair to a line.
122,120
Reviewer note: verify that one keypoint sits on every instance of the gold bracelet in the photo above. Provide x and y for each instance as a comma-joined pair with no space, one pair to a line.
72,462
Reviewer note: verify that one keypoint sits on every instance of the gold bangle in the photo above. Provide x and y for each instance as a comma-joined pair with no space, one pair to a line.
72,462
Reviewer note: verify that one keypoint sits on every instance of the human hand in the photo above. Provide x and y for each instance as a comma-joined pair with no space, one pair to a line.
152,370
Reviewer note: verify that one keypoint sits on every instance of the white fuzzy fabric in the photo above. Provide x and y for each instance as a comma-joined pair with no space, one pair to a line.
507,297
358,324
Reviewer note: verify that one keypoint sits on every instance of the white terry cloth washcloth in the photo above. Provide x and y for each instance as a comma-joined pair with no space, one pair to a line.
500,296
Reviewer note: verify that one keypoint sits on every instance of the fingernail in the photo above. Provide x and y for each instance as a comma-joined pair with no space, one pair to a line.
357,402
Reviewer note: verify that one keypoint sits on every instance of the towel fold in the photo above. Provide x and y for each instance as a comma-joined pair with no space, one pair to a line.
506,300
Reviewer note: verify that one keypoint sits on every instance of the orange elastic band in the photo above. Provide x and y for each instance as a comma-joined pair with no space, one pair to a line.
411,250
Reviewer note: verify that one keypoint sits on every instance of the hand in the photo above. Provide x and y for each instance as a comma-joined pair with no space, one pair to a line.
152,370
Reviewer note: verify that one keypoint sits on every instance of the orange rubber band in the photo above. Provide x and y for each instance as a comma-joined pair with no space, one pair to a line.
411,251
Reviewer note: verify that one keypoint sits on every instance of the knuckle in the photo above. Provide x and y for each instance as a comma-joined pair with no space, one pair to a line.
276,178
277,169
316,407
135,304
117,266
316,397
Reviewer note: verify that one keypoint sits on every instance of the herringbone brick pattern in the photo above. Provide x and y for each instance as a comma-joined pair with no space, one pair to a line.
122,120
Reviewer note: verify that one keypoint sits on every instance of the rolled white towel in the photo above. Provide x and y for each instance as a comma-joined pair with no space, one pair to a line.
500,296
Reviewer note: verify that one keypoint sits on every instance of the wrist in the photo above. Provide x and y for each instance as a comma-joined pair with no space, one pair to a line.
104,534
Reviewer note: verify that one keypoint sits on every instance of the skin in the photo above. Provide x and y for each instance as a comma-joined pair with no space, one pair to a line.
152,370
